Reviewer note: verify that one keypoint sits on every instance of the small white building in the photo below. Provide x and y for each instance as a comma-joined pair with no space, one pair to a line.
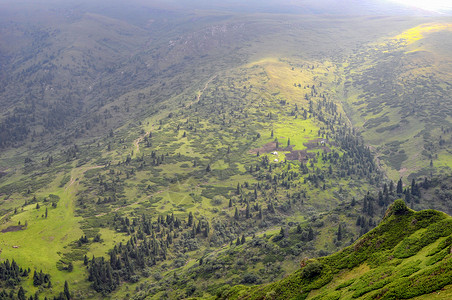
275,153
275,160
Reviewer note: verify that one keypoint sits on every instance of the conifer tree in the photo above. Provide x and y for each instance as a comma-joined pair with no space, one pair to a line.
339,233
190,219
282,232
399,189
310,234
21,294
67,294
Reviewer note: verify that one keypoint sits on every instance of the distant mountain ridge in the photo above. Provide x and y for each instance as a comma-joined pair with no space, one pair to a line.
333,7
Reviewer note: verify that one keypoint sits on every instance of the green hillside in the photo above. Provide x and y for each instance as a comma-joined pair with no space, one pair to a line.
187,182
407,256
157,151
397,91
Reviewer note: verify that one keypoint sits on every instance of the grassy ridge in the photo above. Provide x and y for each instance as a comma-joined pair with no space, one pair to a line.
383,264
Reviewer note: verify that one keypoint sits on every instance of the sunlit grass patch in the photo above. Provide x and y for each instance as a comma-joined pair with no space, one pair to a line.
416,33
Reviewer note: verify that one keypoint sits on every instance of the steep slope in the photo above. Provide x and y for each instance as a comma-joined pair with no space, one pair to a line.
407,255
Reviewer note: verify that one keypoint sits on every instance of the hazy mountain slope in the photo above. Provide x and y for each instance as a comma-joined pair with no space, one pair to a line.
398,93
71,91
407,255
330,7
54,79
70,61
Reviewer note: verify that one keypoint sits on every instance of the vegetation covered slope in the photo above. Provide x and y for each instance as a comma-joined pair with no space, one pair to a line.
258,149
407,255
170,154
397,93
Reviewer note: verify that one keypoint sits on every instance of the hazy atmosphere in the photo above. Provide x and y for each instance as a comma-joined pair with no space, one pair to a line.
226,149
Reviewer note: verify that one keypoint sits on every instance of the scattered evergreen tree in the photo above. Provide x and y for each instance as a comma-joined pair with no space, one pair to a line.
399,189
190,219
21,294
339,233
66,290
70,267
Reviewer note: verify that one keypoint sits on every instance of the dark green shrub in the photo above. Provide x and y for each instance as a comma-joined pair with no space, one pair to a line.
250,278
311,270
399,207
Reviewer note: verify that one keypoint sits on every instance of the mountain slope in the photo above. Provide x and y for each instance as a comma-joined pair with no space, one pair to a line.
397,92
174,153
209,158
407,255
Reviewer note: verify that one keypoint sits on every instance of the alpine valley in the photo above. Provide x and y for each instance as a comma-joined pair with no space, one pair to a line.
225,150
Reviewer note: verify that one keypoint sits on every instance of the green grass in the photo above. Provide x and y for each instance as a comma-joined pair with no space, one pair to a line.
298,131
388,278
44,241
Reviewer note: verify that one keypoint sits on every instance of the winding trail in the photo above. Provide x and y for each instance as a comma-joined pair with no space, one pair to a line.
72,181
138,141
205,87
202,91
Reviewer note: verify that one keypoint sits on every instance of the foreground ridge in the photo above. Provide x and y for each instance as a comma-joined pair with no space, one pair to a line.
407,255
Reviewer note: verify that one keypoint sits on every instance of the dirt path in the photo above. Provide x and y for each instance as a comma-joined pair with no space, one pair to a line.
138,141
72,181
202,91
205,87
